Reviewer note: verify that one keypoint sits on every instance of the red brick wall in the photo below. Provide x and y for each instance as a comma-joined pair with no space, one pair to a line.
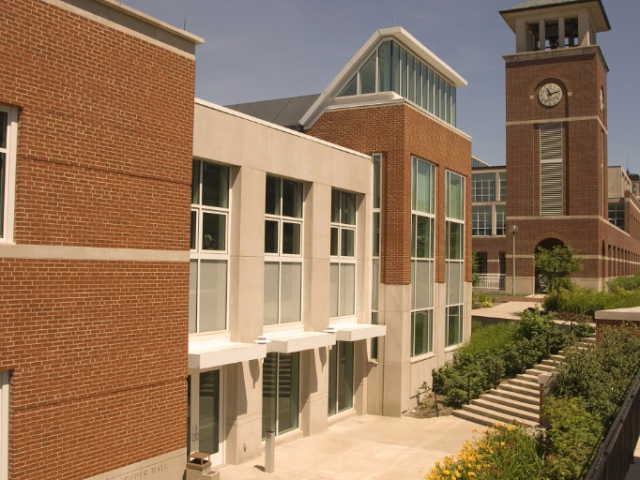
492,246
98,349
398,132
106,125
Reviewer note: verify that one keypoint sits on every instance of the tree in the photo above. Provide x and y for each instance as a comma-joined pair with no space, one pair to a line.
557,265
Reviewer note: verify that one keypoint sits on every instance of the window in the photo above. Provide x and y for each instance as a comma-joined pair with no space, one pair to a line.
502,259
342,300
8,141
454,258
616,213
283,251
375,270
422,256
280,392
4,425
503,186
209,247
392,68
501,219
340,377
203,414
481,261
483,187
481,220
551,169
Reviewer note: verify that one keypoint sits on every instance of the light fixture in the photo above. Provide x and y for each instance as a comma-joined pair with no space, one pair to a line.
262,340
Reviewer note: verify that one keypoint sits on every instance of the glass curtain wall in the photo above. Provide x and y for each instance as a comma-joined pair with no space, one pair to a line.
392,68
375,271
340,377
209,247
454,258
283,251
342,298
280,392
422,256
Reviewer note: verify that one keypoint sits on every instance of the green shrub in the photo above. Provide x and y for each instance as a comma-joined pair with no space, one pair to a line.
601,375
494,352
624,283
481,300
587,300
571,438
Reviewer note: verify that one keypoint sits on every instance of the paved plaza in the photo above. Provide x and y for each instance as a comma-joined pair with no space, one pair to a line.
364,447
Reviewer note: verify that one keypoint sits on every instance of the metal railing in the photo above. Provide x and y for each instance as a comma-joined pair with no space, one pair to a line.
615,454
491,281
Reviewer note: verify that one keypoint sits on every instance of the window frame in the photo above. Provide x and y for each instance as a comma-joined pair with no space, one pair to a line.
281,258
375,248
295,362
340,260
7,200
429,260
451,263
198,254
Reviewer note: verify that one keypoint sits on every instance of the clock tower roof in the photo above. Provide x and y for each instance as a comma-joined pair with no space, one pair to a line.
595,7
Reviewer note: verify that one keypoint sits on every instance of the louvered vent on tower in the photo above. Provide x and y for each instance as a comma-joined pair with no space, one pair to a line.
551,169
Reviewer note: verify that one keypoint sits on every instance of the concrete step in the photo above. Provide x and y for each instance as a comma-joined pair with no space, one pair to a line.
557,357
529,392
511,403
496,416
473,417
536,372
552,364
527,377
500,408
519,397
524,383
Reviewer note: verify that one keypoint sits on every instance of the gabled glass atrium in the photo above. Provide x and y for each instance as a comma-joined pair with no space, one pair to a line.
392,68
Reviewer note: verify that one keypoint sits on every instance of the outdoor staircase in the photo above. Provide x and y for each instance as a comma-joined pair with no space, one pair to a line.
516,400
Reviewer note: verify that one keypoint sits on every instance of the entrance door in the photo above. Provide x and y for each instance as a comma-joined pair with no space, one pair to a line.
280,392
340,377
204,415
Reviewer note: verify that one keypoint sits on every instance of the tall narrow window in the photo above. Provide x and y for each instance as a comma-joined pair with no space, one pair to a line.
551,169
209,412
4,425
283,251
501,220
503,186
280,392
375,270
422,256
343,254
454,258
209,247
8,137
340,377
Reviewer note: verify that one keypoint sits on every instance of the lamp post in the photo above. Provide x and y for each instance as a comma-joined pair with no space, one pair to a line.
514,230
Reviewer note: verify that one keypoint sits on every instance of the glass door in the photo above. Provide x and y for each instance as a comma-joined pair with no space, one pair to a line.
280,392
340,377
204,415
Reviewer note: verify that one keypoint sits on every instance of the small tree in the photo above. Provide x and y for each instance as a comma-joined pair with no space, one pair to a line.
557,265
475,273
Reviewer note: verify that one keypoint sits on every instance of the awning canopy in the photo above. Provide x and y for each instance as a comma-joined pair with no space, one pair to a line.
203,356
300,341
352,332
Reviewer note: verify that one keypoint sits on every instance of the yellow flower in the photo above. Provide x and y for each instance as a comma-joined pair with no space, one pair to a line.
472,475
502,444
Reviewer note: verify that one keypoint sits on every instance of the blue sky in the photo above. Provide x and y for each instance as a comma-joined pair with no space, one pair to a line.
263,49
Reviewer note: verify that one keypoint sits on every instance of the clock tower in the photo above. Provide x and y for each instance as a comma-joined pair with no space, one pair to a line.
556,137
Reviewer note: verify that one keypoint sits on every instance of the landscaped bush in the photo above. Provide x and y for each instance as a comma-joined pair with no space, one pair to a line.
495,352
581,325
503,452
586,300
601,375
624,283
481,300
571,437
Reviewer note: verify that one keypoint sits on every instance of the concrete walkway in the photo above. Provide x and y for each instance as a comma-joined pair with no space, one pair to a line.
507,311
366,447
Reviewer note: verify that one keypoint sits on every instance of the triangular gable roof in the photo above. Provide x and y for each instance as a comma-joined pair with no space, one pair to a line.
595,7
402,36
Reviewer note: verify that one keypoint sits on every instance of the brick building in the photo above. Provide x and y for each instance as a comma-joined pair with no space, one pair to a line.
396,101
557,191
94,232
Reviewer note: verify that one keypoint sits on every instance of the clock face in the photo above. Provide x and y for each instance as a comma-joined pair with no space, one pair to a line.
550,94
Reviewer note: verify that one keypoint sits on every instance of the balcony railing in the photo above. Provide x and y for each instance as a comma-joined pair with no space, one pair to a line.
491,281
